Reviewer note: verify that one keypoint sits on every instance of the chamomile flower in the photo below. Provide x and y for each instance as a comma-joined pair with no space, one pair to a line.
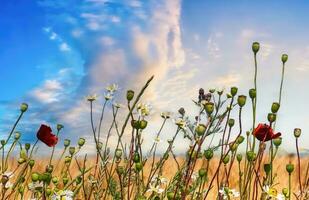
166,115
62,195
228,193
35,185
112,88
155,189
108,96
181,123
92,97
143,109
271,192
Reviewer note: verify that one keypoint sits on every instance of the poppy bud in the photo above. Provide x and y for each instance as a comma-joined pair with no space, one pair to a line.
202,172
35,176
228,96
67,159
255,47
239,157
220,92
240,139
72,150
65,180
17,135
182,111
59,127
3,142
120,170
241,100
31,163
135,124
226,159
23,154
55,180
271,117
275,107
138,166
285,192
234,91
212,90
209,107
209,153
231,122
48,191
233,147
277,142
267,168
200,129
250,156
27,146
21,161
252,93
118,153
66,142
284,58
130,95
136,157
289,168
23,107
297,132
81,142
143,124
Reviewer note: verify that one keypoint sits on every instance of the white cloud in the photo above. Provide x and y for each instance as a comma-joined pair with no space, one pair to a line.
53,36
115,19
213,48
64,47
49,92
107,41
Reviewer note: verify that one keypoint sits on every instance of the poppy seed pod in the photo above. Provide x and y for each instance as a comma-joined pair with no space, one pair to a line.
233,147
275,107
267,168
120,170
143,124
297,132
202,172
209,107
209,153
35,176
136,157
255,47
200,129
23,107
65,180
284,58
231,122
135,124
277,142
118,153
241,100
252,93
240,139
250,156
271,117
81,142
17,135
67,159
234,91
72,150
226,159
138,166
239,157
220,92
59,127
289,168
66,142
48,191
31,163
27,146
285,192
130,95
212,90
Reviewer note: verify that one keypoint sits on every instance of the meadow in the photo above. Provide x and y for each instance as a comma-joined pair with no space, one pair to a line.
217,171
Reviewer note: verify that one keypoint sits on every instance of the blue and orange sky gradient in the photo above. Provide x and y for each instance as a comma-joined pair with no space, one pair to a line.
53,53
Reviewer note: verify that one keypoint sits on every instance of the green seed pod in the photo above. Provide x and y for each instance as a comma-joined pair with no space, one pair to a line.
271,117
31,163
239,157
240,139
23,154
67,159
252,93
231,122
275,107
285,192
226,159
234,91
138,166
251,156
233,147
289,168
255,47
81,142
66,142
202,172
143,124
267,168
3,142
65,180
118,153
72,150
35,176
27,146
21,189
209,153
136,158
17,135
209,107
200,129
277,142
241,100
47,177
130,95
59,127
23,107
21,161
120,170
297,132
170,195
135,124
284,58
48,191
55,180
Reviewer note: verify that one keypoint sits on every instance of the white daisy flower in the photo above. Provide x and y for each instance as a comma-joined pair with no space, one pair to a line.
62,195
166,115
228,193
112,88
143,109
108,96
156,189
92,97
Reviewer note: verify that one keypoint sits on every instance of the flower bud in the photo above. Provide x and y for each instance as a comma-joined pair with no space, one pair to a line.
209,153
234,91
289,168
3,142
67,159
212,90
239,157
72,150
138,166
297,132
240,139
284,58
130,95
81,142
275,107
17,135
252,93
46,177
250,156
55,180
118,153
135,124
202,172
21,161
48,191
271,117
226,159
27,146
66,142
143,124
120,170
182,111
255,47
35,176
267,168
136,157
59,127
285,192
231,122
233,147
209,107
65,180
277,142
23,154
241,100
23,107
200,129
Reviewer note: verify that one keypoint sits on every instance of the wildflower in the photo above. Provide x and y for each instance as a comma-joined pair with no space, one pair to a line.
35,185
112,88
264,132
155,189
228,193
118,105
46,136
181,123
194,176
157,140
108,96
92,97
272,193
165,115
5,180
143,109
62,195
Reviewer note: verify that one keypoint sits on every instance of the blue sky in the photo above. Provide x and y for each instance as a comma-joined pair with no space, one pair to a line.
54,53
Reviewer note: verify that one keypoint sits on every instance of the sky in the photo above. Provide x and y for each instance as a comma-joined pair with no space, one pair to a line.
53,53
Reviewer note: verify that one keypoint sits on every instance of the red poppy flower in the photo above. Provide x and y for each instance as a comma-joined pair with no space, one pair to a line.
46,136
264,132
